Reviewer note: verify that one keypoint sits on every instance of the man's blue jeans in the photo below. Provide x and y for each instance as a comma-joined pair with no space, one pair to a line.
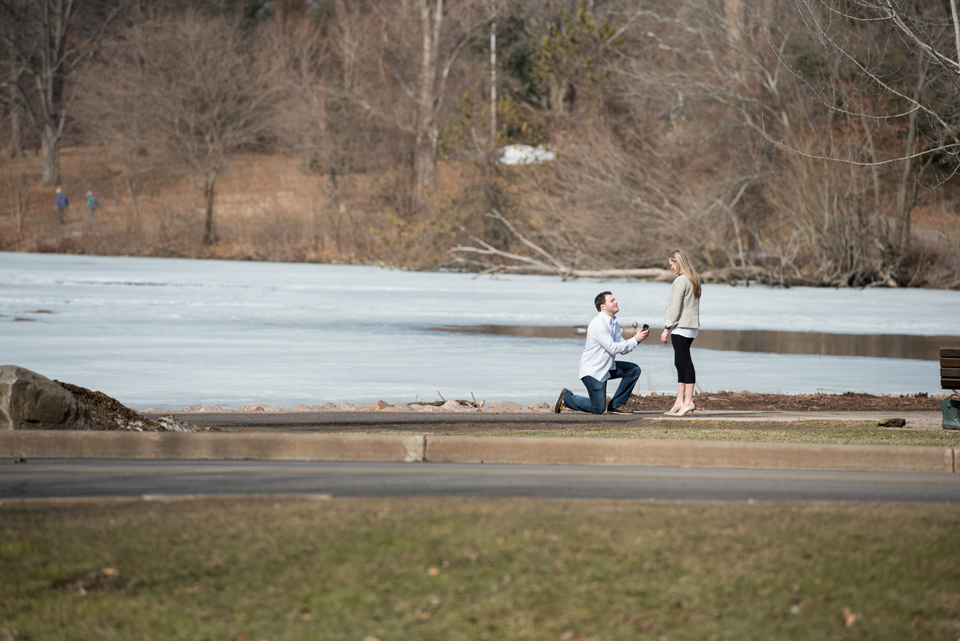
627,372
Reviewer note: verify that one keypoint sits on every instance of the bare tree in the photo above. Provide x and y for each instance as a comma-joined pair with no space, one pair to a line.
50,41
439,36
111,111
10,94
198,93
299,55
929,32
904,61
435,64
349,39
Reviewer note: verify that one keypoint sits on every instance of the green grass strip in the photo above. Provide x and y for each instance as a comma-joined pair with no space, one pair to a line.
442,570
819,432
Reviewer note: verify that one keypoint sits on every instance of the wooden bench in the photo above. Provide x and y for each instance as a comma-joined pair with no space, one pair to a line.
950,368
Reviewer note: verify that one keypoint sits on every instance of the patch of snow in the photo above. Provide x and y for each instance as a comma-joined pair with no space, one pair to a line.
524,155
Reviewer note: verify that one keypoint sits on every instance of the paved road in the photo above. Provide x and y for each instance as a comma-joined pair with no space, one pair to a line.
46,478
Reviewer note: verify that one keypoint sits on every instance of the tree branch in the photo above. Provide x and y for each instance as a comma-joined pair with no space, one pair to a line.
857,163
551,265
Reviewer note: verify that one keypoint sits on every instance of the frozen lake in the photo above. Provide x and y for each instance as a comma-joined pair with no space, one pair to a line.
170,333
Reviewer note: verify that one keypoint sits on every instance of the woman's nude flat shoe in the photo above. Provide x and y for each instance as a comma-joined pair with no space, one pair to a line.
686,409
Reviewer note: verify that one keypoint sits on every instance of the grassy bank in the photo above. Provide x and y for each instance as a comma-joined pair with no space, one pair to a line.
506,569
818,432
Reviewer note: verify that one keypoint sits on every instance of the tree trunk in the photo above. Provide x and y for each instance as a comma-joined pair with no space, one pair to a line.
132,190
16,134
493,74
209,228
425,160
17,190
735,18
50,150
348,39
425,152
15,147
904,200
53,86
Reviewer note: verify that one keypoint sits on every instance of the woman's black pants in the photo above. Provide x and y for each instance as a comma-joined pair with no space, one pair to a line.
681,358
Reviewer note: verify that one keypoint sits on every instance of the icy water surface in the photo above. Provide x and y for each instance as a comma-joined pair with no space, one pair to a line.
171,333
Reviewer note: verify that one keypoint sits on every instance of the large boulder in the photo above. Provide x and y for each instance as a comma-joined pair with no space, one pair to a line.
29,401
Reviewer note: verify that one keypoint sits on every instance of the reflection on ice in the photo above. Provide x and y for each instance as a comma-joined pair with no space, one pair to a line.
171,333
760,340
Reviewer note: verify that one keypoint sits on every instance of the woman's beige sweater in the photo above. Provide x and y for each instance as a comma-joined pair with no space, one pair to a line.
683,308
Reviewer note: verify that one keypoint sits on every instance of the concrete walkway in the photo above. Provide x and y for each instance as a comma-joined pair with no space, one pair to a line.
306,436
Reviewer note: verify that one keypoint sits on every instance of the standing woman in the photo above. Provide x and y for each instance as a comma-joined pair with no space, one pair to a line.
682,321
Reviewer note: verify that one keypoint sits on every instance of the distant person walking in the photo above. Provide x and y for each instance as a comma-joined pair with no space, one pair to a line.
62,203
681,323
92,204
598,363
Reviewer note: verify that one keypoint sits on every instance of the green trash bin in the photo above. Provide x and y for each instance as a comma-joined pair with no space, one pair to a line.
951,413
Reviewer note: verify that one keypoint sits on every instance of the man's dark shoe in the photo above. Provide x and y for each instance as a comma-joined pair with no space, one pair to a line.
619,410
558,406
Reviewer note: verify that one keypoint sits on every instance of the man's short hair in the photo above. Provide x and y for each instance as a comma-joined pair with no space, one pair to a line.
601,299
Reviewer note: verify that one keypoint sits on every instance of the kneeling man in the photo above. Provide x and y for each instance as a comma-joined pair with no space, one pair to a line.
598,363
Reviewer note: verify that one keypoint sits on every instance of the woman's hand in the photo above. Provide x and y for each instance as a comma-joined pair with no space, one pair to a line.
664,335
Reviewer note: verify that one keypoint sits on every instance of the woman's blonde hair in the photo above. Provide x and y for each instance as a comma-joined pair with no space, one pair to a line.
686,268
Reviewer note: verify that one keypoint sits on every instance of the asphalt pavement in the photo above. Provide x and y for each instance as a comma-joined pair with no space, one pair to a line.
105,479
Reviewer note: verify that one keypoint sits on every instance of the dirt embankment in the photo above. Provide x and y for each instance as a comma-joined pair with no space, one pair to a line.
110,414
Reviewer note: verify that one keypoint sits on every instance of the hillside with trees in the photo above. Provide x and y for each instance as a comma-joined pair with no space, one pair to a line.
790,142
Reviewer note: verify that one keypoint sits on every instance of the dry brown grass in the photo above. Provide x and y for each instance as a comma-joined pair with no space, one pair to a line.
272,207
268,207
